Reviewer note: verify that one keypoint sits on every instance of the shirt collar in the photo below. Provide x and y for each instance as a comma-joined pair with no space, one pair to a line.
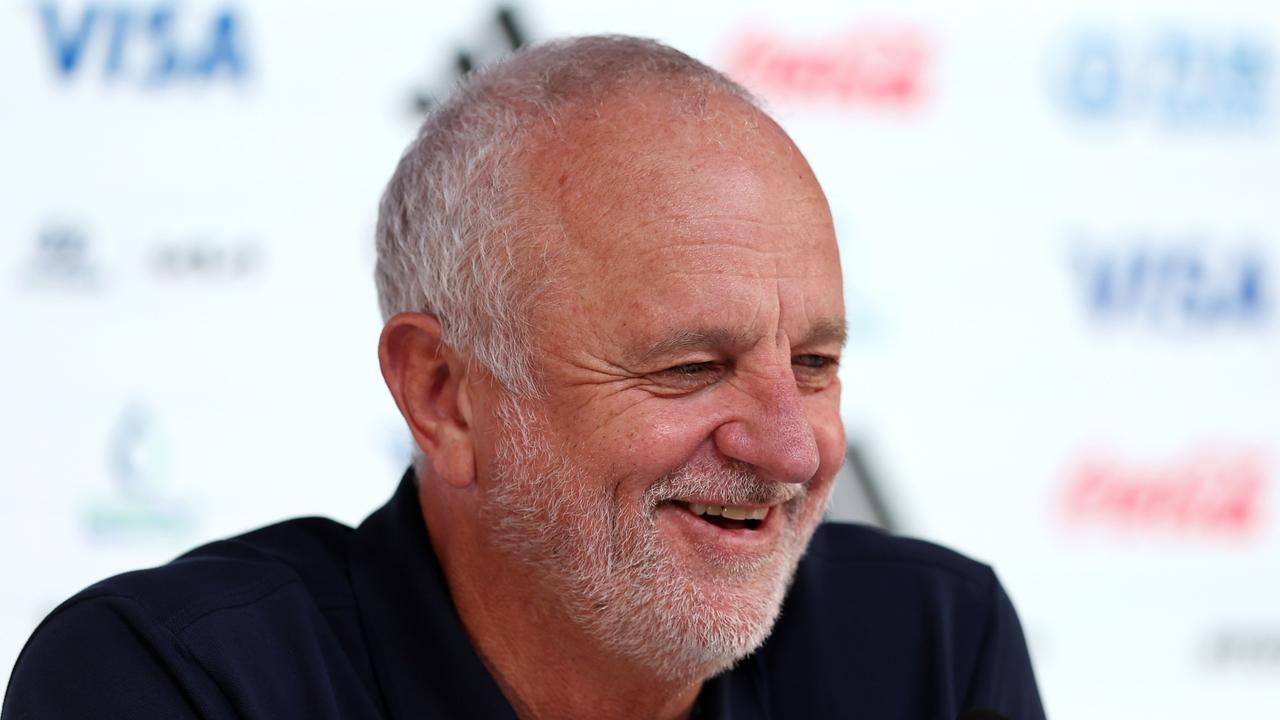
423,660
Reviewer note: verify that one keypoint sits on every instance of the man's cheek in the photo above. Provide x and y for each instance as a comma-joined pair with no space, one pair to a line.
677,431
828,433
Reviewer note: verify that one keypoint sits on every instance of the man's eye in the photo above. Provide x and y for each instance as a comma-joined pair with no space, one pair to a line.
814,372
814,362
690,377
690,369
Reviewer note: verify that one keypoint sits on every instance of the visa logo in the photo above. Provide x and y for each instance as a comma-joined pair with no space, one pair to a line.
1172,286
1178,79
147,45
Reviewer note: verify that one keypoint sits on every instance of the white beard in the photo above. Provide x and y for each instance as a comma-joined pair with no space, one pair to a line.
611,569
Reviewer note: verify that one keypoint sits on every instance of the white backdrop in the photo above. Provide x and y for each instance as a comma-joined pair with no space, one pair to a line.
1059,226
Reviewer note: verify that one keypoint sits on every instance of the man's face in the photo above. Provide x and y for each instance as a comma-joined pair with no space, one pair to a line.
667,486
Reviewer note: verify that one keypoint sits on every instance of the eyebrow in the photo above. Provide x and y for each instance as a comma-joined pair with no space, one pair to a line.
827,330
824,331
693,339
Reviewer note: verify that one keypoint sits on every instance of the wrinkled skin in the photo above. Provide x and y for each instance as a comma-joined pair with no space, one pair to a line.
693,330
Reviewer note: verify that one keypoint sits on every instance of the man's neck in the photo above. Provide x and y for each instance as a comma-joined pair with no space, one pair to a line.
544,663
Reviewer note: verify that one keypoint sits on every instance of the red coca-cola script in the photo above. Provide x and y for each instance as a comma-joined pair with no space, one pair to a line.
875,65
1201,492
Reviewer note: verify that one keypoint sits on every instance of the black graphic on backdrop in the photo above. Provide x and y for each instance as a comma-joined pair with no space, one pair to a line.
500,36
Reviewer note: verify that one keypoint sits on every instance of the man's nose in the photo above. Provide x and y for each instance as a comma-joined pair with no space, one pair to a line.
771,431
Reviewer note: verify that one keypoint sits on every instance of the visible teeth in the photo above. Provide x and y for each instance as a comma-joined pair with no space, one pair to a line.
729,511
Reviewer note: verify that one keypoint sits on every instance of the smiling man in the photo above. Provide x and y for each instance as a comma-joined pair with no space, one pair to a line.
614,316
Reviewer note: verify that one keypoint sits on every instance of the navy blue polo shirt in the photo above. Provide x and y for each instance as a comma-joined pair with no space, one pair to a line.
312,619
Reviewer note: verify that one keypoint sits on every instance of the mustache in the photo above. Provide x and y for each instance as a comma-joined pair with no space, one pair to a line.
732,483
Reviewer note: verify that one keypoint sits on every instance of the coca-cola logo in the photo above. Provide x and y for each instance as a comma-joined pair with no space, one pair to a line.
1204,492
871,65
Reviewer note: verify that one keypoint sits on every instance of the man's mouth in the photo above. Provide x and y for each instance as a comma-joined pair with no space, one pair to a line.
727,517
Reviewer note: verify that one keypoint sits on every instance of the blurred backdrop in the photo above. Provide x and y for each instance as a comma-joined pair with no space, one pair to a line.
1058,222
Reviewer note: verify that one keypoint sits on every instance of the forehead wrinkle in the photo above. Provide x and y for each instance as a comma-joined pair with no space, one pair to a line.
684,245
590,173
722,272
690,221
823,330
741,258
583,220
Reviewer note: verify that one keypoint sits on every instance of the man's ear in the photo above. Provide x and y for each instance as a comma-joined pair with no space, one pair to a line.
429,382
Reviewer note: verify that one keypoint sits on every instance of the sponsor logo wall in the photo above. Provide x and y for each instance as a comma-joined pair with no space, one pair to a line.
146,45
1059,231
1188,282
1180,76
1207,493
868,65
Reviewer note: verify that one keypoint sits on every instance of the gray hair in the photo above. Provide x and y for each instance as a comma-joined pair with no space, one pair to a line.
454,223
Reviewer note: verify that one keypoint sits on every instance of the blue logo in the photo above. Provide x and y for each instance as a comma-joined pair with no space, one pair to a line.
1178,285
149,46
1175,78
